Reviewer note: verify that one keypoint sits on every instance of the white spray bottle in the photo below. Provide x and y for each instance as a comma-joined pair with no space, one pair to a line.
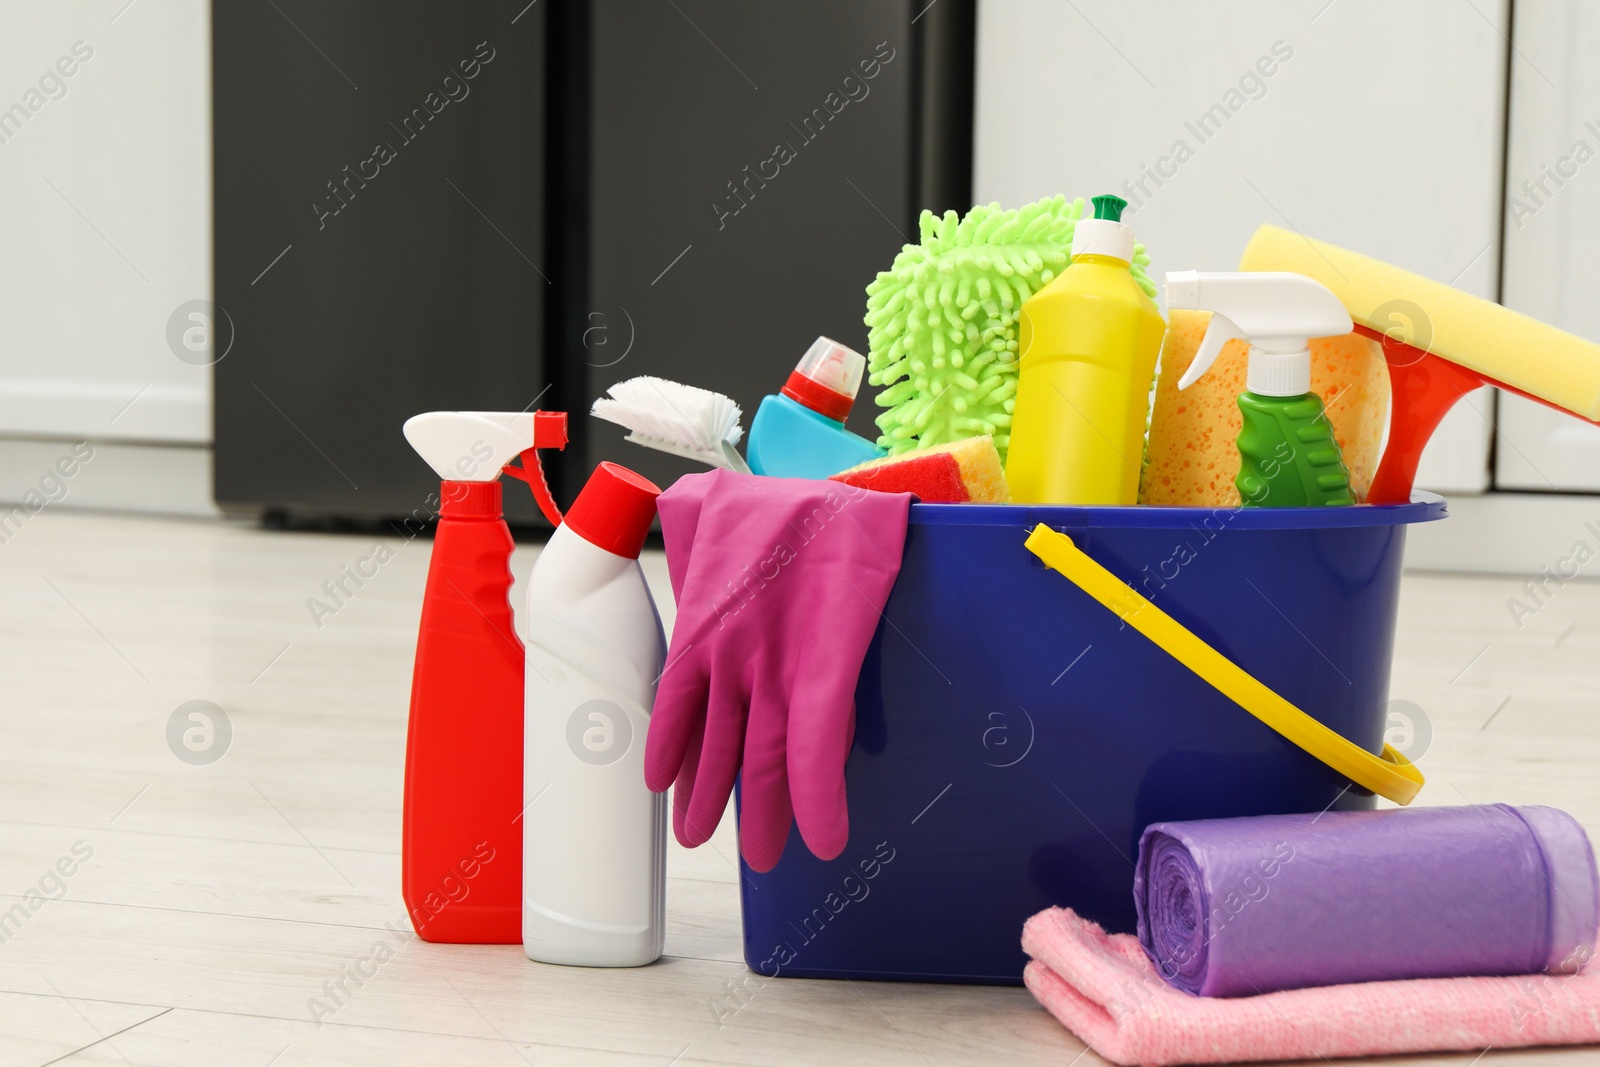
1287,453
594,836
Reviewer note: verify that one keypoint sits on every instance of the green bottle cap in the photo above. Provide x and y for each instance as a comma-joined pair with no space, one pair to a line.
1110,207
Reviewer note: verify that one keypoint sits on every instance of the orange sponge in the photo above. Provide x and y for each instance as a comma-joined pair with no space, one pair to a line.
1191,458
960,472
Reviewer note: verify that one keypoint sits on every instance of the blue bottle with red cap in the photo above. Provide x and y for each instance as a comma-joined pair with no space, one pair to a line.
799,433
594,836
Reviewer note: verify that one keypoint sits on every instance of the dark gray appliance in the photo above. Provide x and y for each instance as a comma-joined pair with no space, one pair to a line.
687,188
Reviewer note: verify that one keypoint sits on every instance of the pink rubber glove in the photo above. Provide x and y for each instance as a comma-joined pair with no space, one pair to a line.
780,584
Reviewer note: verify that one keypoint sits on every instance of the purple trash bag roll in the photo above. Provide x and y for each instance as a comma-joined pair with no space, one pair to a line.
1236,907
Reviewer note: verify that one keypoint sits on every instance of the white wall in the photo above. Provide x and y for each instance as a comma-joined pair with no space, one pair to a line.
108,230
1378,129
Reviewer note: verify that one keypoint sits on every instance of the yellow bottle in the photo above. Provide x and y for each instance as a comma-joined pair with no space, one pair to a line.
1088,343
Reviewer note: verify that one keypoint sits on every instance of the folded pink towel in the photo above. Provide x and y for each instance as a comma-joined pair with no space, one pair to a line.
1101,987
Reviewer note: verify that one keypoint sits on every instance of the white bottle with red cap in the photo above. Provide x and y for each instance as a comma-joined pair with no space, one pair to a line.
594,837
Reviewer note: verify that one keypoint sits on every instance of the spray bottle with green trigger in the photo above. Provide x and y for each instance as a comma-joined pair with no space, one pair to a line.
1288,455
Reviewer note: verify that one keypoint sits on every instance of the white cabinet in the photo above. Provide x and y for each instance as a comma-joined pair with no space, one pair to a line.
1371,124
105,173
1552,232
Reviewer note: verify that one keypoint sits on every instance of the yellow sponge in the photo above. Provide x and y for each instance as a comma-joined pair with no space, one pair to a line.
1513,349
1192,457
958,472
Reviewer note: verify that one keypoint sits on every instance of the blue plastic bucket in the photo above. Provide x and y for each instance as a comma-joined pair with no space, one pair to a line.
1014,738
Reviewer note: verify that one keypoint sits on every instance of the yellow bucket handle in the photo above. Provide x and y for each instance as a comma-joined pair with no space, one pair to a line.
1390,775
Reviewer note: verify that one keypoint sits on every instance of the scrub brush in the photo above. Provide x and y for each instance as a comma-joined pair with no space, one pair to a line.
672,417
943,319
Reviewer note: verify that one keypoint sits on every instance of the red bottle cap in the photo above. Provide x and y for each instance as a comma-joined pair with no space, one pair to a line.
819,398
469,500
614,510
827,379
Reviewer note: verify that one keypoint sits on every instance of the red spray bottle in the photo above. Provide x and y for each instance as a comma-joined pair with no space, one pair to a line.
461,853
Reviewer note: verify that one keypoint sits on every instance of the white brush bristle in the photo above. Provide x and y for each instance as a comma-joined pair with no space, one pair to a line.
671,412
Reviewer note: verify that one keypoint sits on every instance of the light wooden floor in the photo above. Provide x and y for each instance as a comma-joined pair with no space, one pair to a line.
219,899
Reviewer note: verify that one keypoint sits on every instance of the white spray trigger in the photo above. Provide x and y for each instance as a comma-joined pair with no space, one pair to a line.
468,446
1218,334
1276,311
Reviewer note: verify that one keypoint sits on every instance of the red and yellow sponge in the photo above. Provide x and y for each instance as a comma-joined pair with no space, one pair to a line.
960,472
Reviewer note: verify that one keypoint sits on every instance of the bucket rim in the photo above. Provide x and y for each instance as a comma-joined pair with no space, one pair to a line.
1424,507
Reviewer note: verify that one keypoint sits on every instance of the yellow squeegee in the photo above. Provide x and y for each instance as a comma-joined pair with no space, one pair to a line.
1440,344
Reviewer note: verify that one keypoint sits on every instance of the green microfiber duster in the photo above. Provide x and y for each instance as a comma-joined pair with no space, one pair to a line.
943,320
